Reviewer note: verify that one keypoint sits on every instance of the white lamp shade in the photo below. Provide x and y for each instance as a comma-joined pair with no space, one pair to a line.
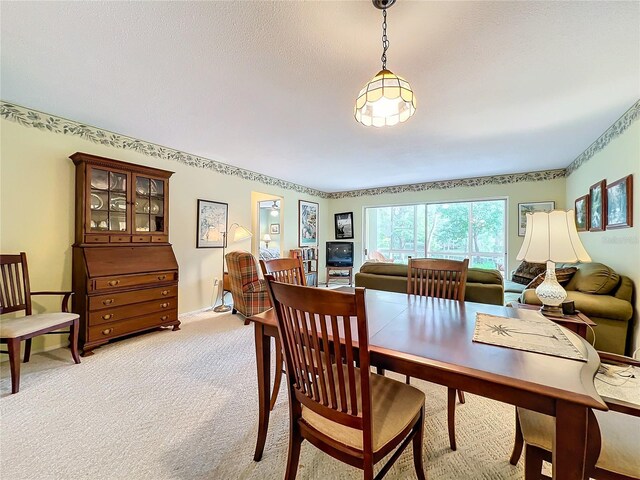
552,237
386,100
267,237
241,233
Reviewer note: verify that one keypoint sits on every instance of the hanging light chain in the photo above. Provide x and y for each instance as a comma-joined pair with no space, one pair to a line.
385,40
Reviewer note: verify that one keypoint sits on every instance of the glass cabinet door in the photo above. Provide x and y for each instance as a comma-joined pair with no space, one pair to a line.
149,205
108,201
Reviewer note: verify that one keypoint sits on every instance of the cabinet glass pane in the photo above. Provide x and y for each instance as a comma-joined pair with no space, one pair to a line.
99,221
142,222
117,222
157,223
118,202
157,188
117,182
142,186
99,179
142,205
98,200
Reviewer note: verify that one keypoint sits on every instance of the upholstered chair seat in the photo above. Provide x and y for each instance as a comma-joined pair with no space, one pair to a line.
17,327
250,295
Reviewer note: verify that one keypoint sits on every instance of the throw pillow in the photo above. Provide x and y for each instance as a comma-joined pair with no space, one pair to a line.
596,278
563,275
528,271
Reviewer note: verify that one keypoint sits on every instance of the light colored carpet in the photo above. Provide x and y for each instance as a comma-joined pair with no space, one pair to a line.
182,405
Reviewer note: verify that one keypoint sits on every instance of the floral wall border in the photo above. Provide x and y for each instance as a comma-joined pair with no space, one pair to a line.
32,118
51,123
618,127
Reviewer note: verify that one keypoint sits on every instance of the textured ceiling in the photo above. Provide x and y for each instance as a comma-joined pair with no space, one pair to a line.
502,87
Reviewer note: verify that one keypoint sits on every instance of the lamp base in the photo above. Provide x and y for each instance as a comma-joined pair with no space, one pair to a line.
551,310
222,308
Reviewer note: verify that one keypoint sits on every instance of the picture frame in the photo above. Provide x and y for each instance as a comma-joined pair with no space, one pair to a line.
530,207
344,225
274,229
307,223
598,206
212,224
620,203
582,213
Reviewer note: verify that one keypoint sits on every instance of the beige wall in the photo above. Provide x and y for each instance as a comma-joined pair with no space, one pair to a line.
514,193
37,211
620,248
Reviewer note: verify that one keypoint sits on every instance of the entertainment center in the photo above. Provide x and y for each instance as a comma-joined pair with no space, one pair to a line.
339,261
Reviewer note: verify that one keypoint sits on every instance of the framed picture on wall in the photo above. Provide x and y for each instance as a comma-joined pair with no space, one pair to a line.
212,224
597,207
308,223
620,203
274,229
582,213
524,208
344,225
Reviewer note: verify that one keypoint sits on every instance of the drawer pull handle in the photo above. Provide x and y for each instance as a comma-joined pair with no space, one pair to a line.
164,305
107,316
113,283
109,301
107,331
162,277
165,292
164,317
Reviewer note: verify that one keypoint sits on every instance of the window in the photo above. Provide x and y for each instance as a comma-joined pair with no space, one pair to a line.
456,230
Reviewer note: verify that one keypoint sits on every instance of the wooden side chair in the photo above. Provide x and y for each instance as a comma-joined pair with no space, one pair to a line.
350,413
433,277
613,439
285,270
249,292
15,296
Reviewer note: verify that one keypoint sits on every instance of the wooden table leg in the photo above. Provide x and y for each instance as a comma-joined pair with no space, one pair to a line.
570,441
263,362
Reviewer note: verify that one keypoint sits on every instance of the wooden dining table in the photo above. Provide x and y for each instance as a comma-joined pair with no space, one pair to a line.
431,339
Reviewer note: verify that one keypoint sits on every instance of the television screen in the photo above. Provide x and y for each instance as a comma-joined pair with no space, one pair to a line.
339,254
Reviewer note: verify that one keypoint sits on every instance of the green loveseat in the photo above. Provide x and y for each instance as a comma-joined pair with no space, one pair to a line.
603,296
483,286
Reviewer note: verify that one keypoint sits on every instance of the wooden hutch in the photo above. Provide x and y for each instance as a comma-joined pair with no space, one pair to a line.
125,274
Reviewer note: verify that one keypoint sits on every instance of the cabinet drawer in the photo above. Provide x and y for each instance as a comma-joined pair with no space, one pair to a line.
120,238
159,238
115,314
96,238
133,280
140,239
117,329
118,299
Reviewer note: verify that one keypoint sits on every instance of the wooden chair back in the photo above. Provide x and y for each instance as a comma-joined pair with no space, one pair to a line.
434,277
285,270
15,294
318,330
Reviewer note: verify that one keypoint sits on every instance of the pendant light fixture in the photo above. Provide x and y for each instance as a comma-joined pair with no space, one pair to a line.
387,99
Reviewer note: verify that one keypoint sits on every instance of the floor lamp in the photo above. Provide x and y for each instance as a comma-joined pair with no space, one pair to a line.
241,233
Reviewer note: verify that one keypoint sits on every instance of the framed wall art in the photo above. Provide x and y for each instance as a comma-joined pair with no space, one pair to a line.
582,213
620,203
274,229
308,222
597,207
344,225
524,208
212,224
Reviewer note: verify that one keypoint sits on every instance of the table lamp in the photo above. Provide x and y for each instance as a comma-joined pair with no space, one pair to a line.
552,237
240,233
266,239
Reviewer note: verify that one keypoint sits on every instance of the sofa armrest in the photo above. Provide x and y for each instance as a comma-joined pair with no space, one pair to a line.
604,306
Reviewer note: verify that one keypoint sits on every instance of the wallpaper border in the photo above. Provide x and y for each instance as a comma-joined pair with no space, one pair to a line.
28,117
618,127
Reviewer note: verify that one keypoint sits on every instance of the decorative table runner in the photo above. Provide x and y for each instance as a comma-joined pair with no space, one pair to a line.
620,382
533,334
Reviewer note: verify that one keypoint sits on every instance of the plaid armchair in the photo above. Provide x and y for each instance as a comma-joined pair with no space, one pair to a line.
250,295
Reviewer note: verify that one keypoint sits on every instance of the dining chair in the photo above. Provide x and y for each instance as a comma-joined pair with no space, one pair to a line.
447,279
249,292
285,270
15,296
347,411
613,439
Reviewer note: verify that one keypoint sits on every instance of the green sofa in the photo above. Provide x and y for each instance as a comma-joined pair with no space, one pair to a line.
603,296
483,286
